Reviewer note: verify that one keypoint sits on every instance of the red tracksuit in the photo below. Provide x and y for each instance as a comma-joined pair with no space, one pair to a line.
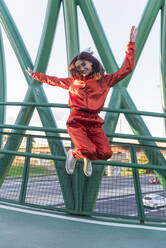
86,98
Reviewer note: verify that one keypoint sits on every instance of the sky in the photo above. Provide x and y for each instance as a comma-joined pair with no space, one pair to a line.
116,18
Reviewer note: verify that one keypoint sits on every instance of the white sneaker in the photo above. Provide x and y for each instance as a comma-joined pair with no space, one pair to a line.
70,162
87,167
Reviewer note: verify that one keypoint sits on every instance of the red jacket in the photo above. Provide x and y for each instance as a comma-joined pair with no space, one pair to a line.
90,94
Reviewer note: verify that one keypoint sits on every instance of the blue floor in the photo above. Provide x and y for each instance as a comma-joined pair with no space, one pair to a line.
32,230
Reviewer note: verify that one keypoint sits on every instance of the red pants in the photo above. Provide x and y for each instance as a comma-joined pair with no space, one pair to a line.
85,130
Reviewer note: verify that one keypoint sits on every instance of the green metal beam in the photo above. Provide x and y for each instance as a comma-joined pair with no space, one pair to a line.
139,128
137,185
36,93
148,18
98,35
163,59
14,143
151,10
71,28
2,84
96,162
72,45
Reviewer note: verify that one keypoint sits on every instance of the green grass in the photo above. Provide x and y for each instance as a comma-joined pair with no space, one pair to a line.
38,170
17,171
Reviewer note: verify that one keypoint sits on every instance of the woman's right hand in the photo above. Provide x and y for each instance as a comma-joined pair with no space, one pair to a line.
29,71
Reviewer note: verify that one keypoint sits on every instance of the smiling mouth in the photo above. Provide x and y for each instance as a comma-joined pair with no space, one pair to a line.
84,72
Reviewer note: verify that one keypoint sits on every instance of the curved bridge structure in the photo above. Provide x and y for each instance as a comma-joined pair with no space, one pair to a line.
40,180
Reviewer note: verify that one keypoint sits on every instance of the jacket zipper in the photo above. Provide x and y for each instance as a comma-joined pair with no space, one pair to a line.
86,92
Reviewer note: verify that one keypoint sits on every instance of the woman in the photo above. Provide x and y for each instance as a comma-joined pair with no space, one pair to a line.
88,87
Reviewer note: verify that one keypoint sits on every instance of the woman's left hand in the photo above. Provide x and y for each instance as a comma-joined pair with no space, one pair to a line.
133,34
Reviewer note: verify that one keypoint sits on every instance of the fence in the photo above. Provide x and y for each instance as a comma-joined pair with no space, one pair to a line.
33,178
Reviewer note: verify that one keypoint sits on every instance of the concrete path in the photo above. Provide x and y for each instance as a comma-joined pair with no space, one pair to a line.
29,228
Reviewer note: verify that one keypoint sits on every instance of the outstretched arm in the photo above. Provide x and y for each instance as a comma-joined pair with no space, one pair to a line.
51,80
129,62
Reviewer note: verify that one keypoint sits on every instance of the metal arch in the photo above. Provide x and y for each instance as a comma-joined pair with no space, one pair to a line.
119,98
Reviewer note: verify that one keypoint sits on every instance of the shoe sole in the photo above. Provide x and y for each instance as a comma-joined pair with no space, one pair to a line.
66,165
85,169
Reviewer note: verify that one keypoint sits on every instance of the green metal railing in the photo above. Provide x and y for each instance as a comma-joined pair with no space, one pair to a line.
40,198
73,195
76,194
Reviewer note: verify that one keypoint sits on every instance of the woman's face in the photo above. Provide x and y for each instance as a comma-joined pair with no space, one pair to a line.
84,67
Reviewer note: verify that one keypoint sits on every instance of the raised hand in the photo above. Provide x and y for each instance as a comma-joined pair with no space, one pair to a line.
133,34
29,71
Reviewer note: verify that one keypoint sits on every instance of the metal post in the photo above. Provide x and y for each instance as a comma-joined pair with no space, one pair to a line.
163,59
25,172
2,85
137,186
72,46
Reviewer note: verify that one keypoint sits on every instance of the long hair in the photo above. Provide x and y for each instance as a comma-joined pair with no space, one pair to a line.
97,68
